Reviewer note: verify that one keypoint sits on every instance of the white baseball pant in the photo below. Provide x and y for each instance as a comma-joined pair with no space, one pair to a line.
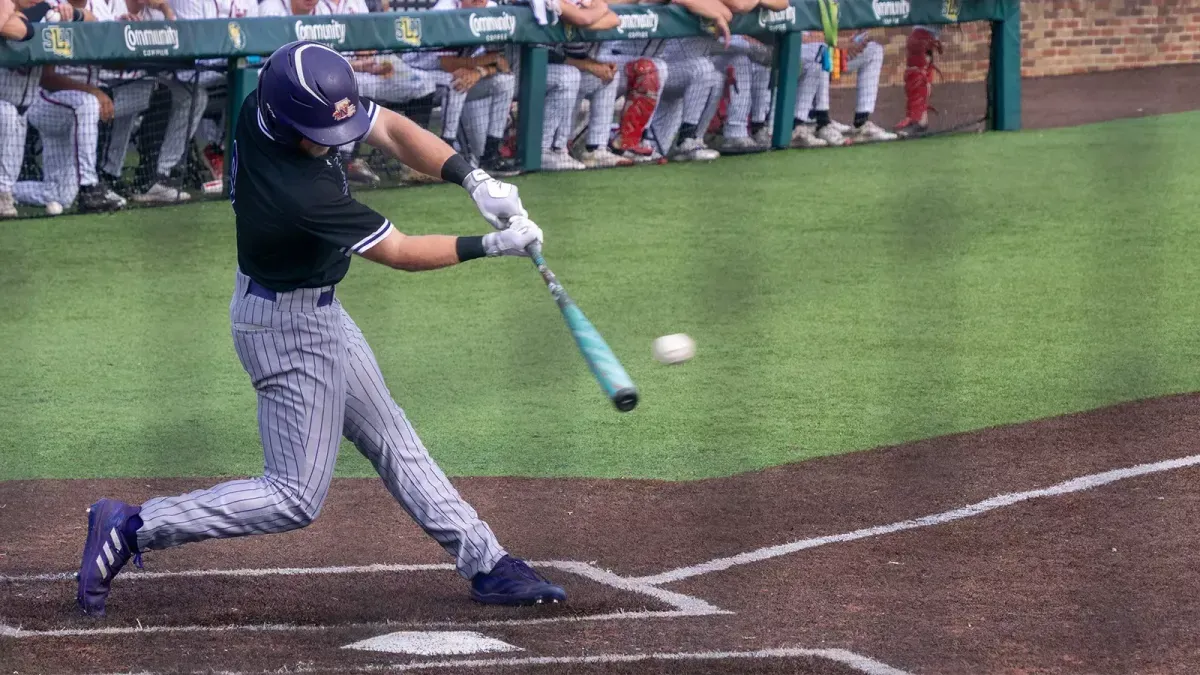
12,129
131,99
868,66
691,96
562,93
485,111
68,122
814,81
603,98
750,97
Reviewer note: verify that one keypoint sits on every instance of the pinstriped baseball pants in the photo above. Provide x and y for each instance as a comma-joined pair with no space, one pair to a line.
317,380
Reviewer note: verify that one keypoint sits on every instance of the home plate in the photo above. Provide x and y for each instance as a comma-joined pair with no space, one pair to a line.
434,643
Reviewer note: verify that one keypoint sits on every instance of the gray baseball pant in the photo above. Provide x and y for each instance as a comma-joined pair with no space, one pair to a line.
317,380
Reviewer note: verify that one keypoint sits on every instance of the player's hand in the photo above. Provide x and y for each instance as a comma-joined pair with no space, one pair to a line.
384,68
465,78
605,71
520,234
106,105
498,202
501,64
157,4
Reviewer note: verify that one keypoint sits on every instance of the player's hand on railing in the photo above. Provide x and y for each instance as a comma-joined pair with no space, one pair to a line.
515,240
498,202
465,78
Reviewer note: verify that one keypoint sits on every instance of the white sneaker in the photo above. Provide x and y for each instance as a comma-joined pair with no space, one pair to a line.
161,194
559,160
842,128
871,132
602,158
804,136
763,137
733,145
694,150
54,209
8,208
112,196
832,136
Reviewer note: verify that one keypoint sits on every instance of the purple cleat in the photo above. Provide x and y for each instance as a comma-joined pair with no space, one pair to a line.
106,551
513,582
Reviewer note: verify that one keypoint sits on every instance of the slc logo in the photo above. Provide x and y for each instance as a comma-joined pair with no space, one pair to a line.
408,30
58,41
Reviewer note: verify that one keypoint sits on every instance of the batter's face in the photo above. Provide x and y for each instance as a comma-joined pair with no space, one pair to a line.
313,149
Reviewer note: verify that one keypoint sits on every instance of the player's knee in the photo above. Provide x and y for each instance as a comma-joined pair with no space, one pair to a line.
570,79
506,83
293,508
89,109
874,52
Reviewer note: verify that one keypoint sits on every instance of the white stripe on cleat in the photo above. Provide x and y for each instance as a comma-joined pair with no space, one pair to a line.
100,564
116,539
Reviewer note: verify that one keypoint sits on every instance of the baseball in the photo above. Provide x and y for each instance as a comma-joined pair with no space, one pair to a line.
52,17
672,349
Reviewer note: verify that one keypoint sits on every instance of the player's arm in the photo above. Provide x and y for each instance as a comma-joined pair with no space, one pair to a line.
422,150
433,251
595,17
17,28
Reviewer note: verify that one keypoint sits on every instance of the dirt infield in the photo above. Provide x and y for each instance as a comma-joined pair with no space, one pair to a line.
932,557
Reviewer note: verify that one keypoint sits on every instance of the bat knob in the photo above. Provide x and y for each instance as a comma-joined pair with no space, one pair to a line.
625,399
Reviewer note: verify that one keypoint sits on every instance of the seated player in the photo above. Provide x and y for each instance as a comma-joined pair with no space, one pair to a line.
919,69
131,92
19,88
749,95
477,86
571,70
814,126
209,78
67,114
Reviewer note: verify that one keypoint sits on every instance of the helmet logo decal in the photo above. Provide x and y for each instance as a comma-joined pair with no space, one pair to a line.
343,109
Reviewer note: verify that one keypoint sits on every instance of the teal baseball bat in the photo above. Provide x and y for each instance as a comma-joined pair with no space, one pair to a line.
600,358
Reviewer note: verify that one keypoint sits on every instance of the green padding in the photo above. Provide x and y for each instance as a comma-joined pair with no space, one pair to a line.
159,41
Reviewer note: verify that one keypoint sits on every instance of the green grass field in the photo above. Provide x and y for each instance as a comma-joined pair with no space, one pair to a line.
840,299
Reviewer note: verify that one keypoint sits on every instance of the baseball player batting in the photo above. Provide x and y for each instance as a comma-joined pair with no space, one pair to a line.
316,377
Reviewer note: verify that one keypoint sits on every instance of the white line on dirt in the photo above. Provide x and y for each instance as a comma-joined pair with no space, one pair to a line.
12,632
862,664
133,575
1066,487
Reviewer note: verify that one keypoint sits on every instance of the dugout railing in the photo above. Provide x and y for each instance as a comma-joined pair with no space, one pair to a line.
242,42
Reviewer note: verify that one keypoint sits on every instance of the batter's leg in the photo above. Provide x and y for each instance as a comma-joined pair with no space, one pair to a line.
294,353
381,431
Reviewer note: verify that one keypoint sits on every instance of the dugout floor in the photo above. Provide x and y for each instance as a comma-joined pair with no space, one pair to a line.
1060,546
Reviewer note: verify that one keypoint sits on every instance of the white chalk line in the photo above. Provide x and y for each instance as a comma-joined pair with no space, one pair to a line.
860,663
681,605
14,632
1074,485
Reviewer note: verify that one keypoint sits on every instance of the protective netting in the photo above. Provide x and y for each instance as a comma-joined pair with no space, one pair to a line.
158,134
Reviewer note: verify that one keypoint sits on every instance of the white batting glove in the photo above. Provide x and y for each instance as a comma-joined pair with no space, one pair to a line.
498,202
521,232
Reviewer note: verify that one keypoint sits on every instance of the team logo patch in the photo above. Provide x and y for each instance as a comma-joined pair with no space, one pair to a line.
343,109
950,9
237,37
408,31
59,40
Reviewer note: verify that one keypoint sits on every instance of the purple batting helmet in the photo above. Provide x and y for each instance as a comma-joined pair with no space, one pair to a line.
309,90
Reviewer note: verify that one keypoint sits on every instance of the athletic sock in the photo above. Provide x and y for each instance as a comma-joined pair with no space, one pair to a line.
592,148
798,121
822,118
129,532
756,127
860,118
687,130
492,147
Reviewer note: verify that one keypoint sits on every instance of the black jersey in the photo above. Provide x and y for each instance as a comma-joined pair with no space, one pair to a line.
297,224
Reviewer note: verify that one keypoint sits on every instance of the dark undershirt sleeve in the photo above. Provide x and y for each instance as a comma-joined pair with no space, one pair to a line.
336,217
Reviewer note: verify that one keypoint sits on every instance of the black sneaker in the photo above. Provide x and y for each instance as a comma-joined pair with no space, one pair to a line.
98,199
497,165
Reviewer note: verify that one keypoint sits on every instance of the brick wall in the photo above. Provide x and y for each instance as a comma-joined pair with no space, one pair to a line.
1063,37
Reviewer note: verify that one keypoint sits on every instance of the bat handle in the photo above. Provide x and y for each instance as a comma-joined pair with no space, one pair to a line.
535,252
